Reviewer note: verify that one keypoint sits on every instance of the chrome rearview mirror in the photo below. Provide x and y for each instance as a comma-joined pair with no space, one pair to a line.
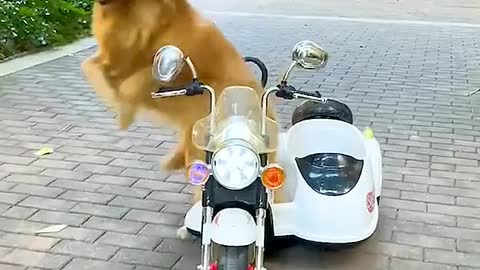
309,55
168,64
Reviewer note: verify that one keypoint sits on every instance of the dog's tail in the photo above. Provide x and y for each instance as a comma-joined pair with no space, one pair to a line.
261,66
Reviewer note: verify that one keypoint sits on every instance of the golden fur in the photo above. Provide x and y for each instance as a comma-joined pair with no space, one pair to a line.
128,34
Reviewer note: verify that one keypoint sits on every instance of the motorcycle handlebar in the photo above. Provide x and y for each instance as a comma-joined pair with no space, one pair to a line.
286,91
196,88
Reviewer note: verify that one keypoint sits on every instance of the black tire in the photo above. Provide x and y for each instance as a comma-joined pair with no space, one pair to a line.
233,258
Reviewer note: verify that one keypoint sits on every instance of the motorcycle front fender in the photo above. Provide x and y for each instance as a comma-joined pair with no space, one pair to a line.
233,227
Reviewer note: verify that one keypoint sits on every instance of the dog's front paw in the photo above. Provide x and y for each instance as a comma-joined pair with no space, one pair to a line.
183,233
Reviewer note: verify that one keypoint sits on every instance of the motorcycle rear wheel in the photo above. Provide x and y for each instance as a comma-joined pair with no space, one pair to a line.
233,258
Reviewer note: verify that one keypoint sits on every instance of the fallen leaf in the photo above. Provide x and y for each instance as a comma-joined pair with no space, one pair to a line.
52,229
44,151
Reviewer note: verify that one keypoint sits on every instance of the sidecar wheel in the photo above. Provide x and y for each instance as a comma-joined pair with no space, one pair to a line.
233,258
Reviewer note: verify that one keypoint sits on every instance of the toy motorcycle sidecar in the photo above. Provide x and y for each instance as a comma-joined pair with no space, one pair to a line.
334,178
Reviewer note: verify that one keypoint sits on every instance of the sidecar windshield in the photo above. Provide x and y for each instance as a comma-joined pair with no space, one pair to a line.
238,116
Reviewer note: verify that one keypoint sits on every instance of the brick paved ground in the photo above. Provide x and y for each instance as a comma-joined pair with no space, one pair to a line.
434,10
409,82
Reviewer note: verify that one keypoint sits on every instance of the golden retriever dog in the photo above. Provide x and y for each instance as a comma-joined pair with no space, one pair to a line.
129,33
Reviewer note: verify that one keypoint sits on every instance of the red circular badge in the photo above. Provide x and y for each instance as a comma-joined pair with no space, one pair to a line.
370,202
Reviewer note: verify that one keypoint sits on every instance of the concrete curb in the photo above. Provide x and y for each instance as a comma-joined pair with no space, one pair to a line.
31,60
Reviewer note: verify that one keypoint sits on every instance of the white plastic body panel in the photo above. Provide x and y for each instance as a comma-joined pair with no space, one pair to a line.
309,215
233,227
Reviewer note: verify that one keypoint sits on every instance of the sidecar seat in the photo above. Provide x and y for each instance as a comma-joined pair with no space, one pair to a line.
331,109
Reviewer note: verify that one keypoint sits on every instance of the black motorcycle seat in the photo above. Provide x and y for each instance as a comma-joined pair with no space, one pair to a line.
330,109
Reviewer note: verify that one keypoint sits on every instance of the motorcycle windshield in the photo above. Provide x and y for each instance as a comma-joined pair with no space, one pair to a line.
237,116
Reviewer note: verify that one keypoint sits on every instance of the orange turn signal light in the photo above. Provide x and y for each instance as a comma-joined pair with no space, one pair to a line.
273,177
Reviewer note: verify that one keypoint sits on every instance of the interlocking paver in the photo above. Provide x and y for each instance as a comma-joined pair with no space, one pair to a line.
20,212
46,203
82,196
148,258
152,217
114,225
38,243
57,217
100,210
35,259
85,264
76,233
29,179
137,203
409,82
82,249
129,240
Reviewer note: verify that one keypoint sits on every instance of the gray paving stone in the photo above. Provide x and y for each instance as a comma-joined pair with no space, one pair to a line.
56,217
82,249
124,191
136,164
114,225
129,240
46,203
192,250
122,155
468,246
35,259
405,204
19,212
58,164
150,205
16,160
472,223
11,198
159,185
76,185
400,264
424,241
11,267
163,231
170,197
85,264
37,243
66,174
454,210
29,179
14,168
397,250
100,169
76,233
83,158
36,190
454,258
452,232
86,197
113,180
79,150
100,210
148,174
152,217
147,258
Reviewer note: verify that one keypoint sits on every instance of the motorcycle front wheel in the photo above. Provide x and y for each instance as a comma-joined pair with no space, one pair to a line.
233,258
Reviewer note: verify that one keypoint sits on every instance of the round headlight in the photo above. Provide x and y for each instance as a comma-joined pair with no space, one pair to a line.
235,166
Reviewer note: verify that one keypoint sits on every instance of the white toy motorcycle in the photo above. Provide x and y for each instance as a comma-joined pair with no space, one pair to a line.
328,172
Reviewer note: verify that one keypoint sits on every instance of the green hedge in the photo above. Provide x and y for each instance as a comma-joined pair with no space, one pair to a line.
27,25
